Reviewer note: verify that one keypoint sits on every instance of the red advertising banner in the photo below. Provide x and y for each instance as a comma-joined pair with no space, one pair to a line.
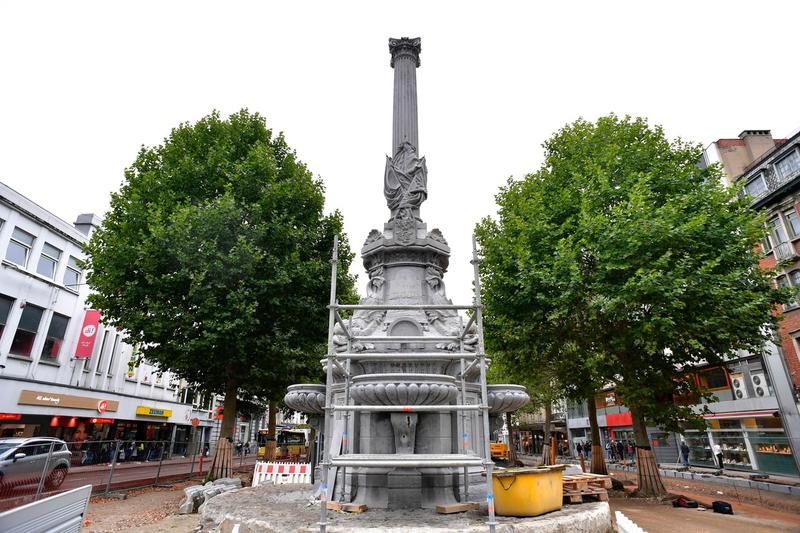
91,322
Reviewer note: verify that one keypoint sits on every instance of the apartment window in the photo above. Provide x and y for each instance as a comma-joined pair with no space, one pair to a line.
756,187
713,379
72,275
26,330
55,337
99,367
48,261
778,231
5,309
789,165
19,247
794,222
114,350
782,282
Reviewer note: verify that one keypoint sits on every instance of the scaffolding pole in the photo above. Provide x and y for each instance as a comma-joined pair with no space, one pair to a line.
484,391
348,455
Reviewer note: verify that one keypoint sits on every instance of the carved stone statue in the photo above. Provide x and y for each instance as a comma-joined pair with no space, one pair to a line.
405,181
364,322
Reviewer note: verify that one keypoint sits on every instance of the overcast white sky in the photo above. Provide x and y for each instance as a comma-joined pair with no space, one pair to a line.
84,84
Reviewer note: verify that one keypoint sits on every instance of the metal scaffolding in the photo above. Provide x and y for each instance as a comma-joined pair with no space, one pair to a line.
468,361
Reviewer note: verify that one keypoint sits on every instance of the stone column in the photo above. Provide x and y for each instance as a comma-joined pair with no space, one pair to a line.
405,60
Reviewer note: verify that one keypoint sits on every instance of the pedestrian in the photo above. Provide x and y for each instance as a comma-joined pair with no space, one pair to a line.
620,451
718,455
578,449
587,449
609,453
685,453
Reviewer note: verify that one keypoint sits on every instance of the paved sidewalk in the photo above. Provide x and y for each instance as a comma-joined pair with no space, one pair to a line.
778,484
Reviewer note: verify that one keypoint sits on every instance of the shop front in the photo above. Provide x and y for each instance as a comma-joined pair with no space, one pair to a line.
749,441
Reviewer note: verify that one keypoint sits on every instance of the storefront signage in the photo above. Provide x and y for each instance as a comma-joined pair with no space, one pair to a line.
152,411
91,323
10,416
101,420
619,419
102,406
133,360
31,397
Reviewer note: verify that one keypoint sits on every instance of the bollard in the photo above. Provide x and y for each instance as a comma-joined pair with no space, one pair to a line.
191,469
44,472
160,461
113,466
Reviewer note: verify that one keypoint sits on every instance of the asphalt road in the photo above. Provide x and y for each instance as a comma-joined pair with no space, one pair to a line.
125,475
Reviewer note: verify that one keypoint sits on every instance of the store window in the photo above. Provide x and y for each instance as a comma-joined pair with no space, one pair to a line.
730,438
19,247
5,309
55,337
48,261
699,448
772,448
72,275
26,330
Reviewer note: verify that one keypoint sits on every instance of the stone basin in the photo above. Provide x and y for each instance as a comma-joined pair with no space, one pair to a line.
506,398
403,389
307,398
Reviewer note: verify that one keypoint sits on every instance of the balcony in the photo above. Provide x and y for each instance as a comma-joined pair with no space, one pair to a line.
785,251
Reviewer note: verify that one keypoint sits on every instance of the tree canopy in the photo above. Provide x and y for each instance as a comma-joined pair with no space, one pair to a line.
625,263
215,257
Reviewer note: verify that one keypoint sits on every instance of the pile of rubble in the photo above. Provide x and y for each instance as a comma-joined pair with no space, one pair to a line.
197,495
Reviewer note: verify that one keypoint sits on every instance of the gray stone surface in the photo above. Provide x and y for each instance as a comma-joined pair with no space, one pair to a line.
406,264
196,496
286,508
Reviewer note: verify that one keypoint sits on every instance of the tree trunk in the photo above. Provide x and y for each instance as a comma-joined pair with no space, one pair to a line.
229,413
649,480
548,415
598,458
512,449
221,465
270,446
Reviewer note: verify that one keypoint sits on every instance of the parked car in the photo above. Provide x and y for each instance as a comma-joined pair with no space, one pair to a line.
23,460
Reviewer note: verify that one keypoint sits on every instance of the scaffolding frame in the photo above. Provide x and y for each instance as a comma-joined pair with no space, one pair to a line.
334,360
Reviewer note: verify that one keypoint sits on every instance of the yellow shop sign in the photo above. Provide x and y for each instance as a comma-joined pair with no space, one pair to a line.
152,411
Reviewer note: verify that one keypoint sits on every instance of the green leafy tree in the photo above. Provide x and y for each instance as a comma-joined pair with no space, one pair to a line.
215,257
625,263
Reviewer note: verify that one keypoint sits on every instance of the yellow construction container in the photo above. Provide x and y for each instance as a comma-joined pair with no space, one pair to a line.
529,491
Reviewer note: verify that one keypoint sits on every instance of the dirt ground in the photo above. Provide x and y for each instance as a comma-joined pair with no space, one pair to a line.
153,510
150,509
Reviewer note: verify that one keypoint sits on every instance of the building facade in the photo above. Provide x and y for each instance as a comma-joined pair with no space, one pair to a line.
755,419
45,389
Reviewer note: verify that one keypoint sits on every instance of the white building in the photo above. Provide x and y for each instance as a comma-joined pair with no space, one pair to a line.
44,389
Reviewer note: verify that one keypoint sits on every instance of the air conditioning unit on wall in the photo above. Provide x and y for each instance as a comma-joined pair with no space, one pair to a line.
739,390
759,384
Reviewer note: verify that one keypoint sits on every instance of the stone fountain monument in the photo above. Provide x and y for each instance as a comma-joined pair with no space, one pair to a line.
406,427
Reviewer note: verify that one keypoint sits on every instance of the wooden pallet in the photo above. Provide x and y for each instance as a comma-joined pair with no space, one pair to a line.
585,481
587,495
586,487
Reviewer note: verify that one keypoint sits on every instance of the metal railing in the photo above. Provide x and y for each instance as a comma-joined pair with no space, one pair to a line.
44,466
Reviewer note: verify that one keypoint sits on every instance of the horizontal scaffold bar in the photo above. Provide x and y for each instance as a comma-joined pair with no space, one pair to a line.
407,408
415,338
400,307
406,460
405,356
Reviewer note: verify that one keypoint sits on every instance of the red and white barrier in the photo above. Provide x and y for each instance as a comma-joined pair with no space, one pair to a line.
281,473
